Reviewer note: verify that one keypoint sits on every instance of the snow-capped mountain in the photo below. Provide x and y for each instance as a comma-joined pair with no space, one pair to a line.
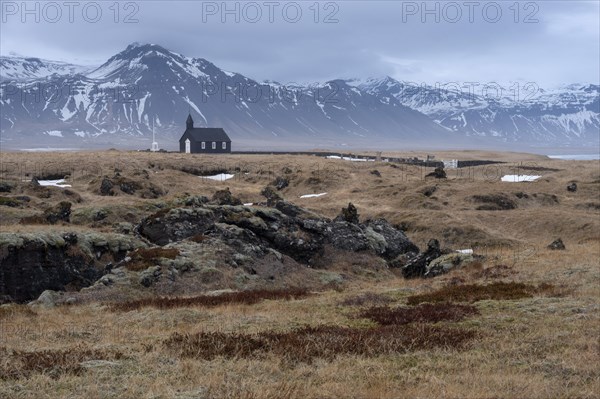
23,68
147,83
118,102
570,114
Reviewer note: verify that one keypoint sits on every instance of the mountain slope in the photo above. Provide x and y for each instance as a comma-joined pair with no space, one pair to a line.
147,83
567,115
24,68
117,104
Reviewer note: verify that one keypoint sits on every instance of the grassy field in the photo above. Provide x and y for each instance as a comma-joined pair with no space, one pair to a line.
523,323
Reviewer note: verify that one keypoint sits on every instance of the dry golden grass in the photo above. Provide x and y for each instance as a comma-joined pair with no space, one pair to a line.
538,345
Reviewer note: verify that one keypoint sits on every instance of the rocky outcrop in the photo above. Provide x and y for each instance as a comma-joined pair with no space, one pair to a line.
448,262
572,187
348,214
271,195
31,263
281,182
61,212
557,244
6,187
285,228
224,197
417,267
140,186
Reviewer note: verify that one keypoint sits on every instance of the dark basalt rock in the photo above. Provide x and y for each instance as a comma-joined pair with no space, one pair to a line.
417,267
438,173
557,244
287,228
347,236
281,182
271,195
128,188
145,189
289,209
60,212
106,187
33,263
396,241
348,214
6,187
572,187
429,191
224,197
176,224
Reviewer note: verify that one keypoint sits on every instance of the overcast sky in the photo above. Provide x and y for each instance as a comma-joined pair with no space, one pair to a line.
547,42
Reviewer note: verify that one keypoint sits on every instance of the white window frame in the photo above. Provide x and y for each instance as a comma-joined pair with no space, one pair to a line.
224,145
203,145
214,145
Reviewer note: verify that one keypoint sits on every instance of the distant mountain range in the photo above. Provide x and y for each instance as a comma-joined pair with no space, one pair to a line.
61,105
521,114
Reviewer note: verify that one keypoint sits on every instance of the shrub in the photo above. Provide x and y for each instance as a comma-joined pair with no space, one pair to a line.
241,297
308,343
475,292
22,364
424,313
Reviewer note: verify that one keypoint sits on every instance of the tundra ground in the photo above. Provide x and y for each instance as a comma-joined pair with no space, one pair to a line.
522,323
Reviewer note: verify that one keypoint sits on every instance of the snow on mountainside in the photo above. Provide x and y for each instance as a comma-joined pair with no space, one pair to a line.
565,115
23,68
146,83
119,101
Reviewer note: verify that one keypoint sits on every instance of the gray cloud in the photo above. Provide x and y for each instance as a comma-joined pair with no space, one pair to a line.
370,39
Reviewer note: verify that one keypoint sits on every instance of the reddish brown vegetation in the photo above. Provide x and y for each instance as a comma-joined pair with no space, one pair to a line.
241,297
143,258
21,364
424,313
325,342
199,238
474,292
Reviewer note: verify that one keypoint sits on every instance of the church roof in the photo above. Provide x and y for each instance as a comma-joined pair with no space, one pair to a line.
207,134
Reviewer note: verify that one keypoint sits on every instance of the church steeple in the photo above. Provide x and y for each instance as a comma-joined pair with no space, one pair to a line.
190,122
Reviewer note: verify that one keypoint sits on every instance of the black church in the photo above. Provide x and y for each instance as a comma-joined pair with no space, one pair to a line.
203,140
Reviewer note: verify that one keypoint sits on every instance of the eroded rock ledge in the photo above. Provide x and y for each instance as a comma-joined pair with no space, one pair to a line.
31,263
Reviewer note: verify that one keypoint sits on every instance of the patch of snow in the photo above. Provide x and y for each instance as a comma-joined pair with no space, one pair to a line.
580,157
187,100
350,159
142,106
219,177
55,133
465,251
56,183
519,178
249,204
313,195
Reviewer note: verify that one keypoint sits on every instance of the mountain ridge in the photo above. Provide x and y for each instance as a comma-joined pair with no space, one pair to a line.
145,83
